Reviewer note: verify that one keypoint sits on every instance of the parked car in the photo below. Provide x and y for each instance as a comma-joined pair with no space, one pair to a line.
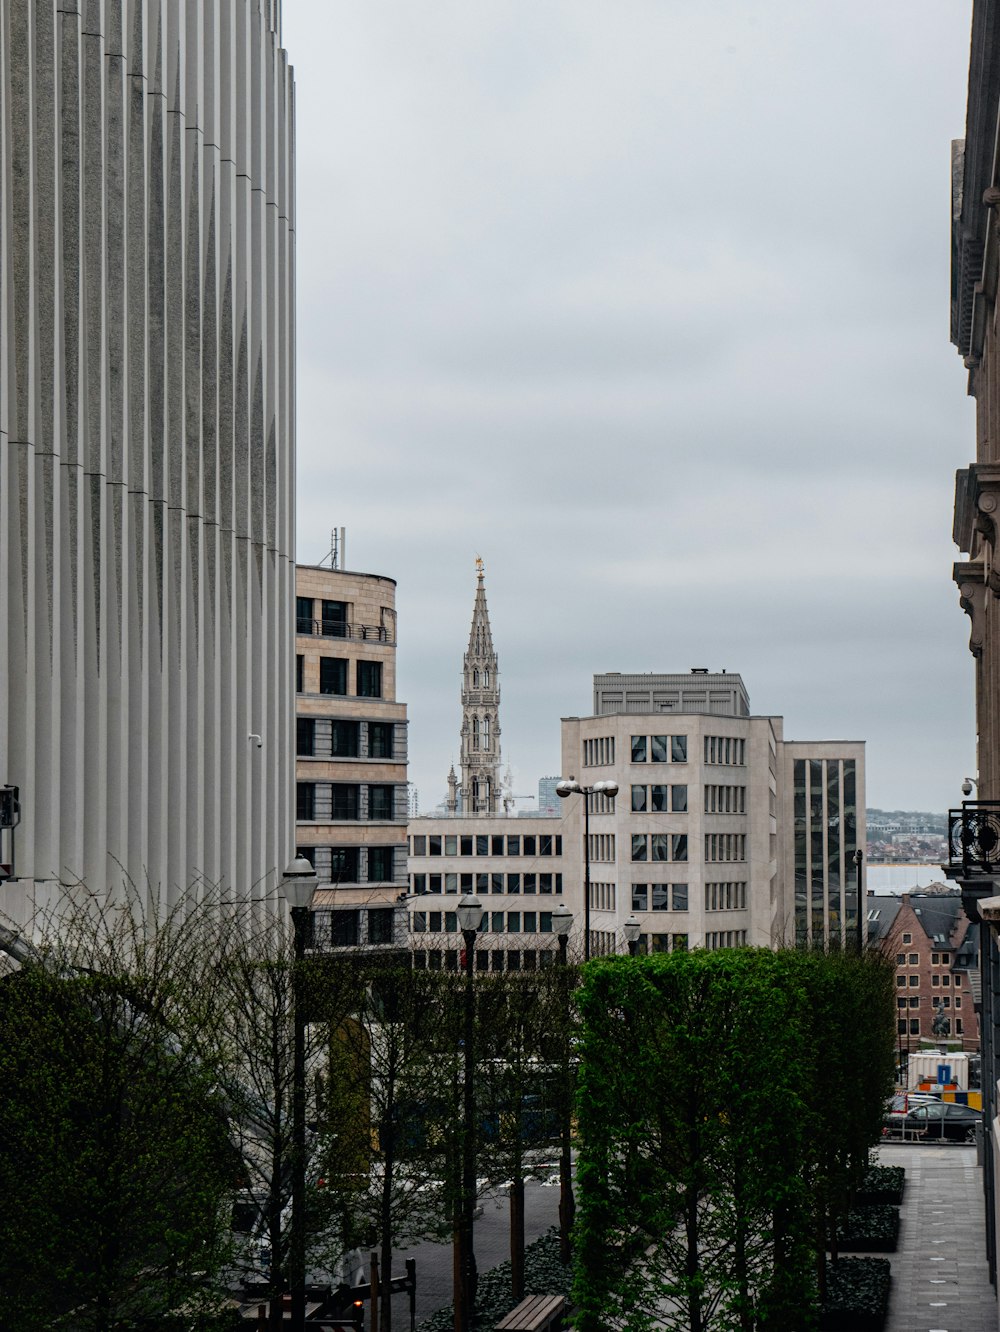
937,1120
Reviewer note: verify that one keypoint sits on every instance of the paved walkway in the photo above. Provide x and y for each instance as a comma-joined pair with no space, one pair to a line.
940,1279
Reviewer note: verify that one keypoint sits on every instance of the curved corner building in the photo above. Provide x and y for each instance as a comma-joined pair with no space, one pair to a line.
146,444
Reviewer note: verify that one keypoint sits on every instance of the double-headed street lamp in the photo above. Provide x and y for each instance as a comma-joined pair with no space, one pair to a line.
470,915
298,886
567,787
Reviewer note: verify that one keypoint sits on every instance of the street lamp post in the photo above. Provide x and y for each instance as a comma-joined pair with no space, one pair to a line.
298,886
859,860
470,914
567,787
562,921
631,930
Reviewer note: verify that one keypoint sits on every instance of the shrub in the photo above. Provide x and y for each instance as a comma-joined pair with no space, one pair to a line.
857,1295
874,1229
881,1184
544,1274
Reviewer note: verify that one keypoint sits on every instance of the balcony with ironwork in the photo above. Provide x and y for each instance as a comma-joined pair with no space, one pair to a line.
974,851
365,633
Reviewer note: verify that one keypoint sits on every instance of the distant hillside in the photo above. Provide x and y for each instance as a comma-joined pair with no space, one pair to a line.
909,820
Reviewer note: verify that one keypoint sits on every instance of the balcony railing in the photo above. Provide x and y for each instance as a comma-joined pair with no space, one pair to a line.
974,838
369,633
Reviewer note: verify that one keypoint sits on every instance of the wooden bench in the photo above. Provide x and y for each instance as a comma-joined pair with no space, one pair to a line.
537,1313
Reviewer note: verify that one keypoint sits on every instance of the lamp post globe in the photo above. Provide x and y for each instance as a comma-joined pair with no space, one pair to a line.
631,929
562,920
298,883
567,787
470,913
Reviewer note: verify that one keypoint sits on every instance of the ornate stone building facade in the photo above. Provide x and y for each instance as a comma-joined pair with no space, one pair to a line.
479,790
146,444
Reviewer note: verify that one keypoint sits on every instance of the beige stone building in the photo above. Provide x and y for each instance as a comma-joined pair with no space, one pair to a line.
351,752
722,833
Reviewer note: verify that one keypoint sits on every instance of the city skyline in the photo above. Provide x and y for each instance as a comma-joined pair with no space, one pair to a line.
637,314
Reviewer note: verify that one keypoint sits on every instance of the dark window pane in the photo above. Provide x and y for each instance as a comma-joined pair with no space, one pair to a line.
332,675
380,799
659,846
638,749
513,846
305,729
679,846
380,925
513,883
528,882
380,864
303,615
380,738
680,895
679,748
639,842
305,801
344,739
545,846
496,882
369,679
344,864
680,799
482,845
659,799
529,846
334,619
638,799
497,844
640,897
659,748
344,928
300,665
661,897
345,801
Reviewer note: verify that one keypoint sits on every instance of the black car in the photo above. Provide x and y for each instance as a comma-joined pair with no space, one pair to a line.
940,1120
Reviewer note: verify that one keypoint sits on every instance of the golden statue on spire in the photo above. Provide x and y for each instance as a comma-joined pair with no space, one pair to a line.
480,568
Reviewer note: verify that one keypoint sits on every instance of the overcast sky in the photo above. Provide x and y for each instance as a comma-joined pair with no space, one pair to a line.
646,302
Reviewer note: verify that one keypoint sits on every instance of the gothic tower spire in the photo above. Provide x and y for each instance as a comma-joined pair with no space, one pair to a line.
480,712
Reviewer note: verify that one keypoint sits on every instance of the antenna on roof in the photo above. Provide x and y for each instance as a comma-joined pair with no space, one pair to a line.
337,554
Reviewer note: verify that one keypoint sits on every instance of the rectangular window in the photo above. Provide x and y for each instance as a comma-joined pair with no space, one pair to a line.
558,844
369,679
466,844
659,748
900,1003
679,799
305,801
305,728
638,749
345,928
661,896
333,675
380,801
497,922
451,883
659,799
678,846
915,1001
465,882
914,959
529,923
380,864
900,959
344,864
640,897
915,1026
303,615
659,848
680,896
545,883
380,925
528,882
300,674
497,845
451,846
513,883
513,922
639,846
344,801
678,749
680,944
544,845
914,982
513,846
496,883
420,846
420,883
545,922
380,739
334,621
344,739
482,883
529,846
482,845
907,938
935,981
638,799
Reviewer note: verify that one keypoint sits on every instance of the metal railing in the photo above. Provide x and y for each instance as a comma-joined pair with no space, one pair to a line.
369,633
974,838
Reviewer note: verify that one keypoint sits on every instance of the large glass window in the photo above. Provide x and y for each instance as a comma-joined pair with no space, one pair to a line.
334,621
659,748
679,799
640,897
344,928
680,896
659,799
303,615
513,846
661,897
344,864
638,749
380,864
305,801
638,799
380,737
333,675
679,846
380,925
380,802
659,848
369,679
639,846
679,748
305,728
345,800
344,739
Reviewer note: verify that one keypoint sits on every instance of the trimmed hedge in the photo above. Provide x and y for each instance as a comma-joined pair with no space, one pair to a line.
544,1274
881,1184
872,1229
857,1295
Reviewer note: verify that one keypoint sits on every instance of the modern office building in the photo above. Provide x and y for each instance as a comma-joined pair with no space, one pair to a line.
352,795
703,842
146,445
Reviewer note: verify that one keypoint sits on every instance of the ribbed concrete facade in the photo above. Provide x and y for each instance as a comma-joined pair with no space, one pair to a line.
146,442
